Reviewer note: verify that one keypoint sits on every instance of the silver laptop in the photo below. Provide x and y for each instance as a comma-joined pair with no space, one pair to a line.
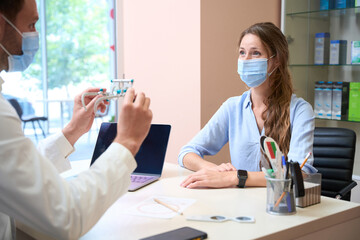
150,157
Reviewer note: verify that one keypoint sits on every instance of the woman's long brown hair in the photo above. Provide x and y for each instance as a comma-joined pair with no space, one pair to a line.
277,113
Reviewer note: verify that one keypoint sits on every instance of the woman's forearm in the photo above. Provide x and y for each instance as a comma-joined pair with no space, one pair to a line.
194,162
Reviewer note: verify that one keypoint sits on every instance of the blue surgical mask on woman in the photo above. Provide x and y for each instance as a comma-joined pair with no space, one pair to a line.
30,45
253,72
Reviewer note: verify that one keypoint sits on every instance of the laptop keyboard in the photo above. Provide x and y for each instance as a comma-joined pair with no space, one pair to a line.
139,178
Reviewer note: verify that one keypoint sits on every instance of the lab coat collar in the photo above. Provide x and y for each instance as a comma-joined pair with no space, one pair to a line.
1,83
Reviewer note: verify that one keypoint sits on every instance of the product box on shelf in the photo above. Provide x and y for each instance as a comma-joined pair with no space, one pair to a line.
338,52
344,3
322,44
327,96
318,99
354,101
355,52
336,101
326,4
345,101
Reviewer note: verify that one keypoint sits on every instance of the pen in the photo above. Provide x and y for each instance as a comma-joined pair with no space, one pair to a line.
283,194
168,206
306,158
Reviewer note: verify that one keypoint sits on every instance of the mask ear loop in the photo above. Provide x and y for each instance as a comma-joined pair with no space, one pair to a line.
3,48
11,24
274,68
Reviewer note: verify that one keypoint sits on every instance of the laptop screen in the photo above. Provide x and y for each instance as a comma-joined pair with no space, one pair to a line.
151,155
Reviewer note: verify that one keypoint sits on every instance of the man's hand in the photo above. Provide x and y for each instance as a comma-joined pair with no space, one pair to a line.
82,120
133,121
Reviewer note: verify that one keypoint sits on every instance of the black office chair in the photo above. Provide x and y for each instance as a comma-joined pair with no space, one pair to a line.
29,118
334,152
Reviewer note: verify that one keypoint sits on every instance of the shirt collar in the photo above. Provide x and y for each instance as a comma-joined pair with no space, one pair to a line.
247,102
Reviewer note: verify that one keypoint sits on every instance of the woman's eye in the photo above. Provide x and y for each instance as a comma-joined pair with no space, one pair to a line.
256,53
242,53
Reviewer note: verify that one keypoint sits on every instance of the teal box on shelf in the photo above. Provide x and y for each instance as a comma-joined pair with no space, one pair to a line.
344,3
326,4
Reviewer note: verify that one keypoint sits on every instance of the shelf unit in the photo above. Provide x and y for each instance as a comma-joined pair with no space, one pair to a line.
301,20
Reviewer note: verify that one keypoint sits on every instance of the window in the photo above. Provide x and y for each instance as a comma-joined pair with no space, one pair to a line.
76,52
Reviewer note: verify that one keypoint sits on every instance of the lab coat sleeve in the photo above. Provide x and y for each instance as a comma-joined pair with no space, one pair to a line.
57,148
32,191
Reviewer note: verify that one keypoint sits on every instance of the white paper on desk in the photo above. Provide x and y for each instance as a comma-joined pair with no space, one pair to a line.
150,208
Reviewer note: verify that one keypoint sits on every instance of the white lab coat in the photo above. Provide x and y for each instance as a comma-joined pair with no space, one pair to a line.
33,192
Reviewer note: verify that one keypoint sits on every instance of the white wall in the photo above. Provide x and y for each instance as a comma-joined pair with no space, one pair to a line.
355,192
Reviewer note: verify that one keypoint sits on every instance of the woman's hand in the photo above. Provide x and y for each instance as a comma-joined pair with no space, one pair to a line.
206,178
224,167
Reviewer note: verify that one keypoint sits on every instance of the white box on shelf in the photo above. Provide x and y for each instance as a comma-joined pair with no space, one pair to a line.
322,44
327,95
338,52
355,52
319,99
336,101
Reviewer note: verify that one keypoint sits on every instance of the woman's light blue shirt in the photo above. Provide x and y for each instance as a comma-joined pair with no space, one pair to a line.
235,122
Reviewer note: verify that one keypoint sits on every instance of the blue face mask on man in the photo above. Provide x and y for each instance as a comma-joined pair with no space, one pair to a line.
30,45
253,72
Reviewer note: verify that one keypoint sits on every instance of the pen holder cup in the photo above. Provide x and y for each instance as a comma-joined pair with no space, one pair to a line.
280,197
312,187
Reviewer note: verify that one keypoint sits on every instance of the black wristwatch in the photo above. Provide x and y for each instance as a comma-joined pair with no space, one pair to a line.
242,175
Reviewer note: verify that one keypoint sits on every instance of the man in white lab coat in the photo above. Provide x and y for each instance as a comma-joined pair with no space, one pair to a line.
31,189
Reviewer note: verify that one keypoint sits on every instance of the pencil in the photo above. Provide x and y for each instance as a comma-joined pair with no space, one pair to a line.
168,206
306,158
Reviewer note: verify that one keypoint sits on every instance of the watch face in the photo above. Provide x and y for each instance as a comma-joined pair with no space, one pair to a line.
242,173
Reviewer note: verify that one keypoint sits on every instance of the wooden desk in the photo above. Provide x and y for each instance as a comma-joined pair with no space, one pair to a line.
331,219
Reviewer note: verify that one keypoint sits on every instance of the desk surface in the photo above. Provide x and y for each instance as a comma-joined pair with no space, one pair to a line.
331,219
331,216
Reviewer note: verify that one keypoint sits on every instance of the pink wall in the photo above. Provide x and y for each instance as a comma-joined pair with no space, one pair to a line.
162,54
183,53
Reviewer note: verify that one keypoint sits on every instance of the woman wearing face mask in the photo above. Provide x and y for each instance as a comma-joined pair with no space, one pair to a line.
268,108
